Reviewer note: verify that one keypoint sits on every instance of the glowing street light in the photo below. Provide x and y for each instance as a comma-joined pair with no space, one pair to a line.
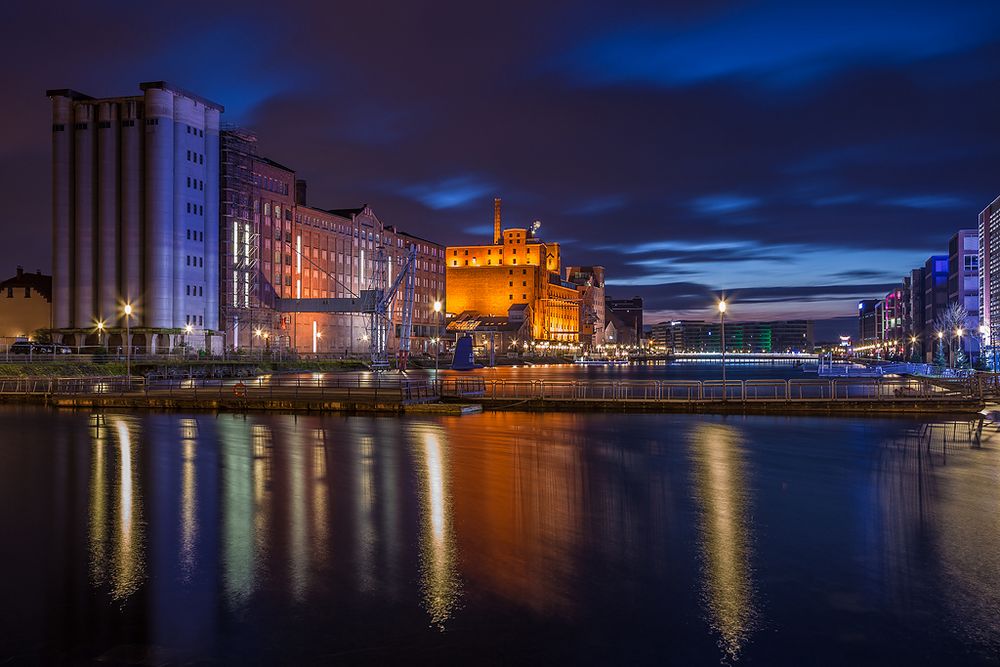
437,339
722,344
128,342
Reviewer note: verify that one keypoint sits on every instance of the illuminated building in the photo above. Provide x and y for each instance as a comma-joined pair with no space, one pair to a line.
963,281
589,280
935,298
867,326
758,337
135,209
518,268
277,247
989,271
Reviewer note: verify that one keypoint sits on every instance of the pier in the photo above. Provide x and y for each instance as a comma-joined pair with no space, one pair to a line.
848,396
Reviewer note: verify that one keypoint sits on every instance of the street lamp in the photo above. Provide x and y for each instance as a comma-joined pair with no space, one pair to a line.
958,337
913,342
722,344
437,339
128,343
187,332
100,332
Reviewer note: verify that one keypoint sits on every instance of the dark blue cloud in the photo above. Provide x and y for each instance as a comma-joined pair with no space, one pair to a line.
783,43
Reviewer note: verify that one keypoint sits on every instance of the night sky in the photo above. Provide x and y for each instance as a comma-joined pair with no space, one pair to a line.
797,157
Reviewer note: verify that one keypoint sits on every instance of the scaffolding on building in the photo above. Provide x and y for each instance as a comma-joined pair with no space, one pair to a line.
247,298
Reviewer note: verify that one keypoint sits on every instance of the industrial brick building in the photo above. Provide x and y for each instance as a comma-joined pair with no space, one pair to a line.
518,268
155,206
278,248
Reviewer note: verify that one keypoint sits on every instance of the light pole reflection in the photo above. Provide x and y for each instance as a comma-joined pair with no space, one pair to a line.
725,543
189,500
438,555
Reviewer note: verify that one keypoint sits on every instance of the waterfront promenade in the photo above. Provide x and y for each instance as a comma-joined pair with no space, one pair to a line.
366,392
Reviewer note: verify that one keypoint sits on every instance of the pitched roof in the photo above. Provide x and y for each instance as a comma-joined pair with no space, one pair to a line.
37,281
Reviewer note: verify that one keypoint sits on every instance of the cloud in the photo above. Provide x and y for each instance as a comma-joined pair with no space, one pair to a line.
450,193
723,203
933,202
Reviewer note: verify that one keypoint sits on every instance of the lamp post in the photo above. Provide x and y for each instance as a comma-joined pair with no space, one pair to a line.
437,338
128,343
958,346
187,332
940,335
100,332
722,344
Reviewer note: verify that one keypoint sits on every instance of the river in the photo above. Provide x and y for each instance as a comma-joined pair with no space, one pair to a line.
161,538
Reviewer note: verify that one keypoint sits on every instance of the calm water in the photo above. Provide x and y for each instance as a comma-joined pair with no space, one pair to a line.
616,539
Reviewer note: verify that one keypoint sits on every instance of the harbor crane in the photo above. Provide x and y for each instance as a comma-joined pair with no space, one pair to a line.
376,303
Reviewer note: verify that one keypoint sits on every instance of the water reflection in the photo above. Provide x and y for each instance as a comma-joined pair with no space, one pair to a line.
438,556
189,498
346,536
725,541
238,511
116,536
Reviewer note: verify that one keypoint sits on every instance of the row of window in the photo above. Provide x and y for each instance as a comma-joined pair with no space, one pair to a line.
194,320
197,209
511,296
270,184
192,260
195,131
489,262
103,125
195,290
195,235
197,158
195,183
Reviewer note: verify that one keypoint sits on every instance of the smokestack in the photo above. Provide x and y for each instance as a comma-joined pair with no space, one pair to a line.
496,220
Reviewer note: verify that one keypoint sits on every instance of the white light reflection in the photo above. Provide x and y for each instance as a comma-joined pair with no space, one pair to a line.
129,568
725,543
438,559
189,501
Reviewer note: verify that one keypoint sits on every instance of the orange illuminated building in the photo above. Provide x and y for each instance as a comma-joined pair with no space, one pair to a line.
517,268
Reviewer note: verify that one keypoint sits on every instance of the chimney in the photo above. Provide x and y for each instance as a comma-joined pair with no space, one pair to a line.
300,192
20,271
496,220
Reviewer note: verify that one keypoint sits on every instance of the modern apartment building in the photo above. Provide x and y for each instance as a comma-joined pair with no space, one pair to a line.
989,271
935,298
963,283
759,337
915,332
135,211
867,321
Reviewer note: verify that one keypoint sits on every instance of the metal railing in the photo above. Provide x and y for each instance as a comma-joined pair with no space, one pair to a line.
855,389
52,386
271,388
